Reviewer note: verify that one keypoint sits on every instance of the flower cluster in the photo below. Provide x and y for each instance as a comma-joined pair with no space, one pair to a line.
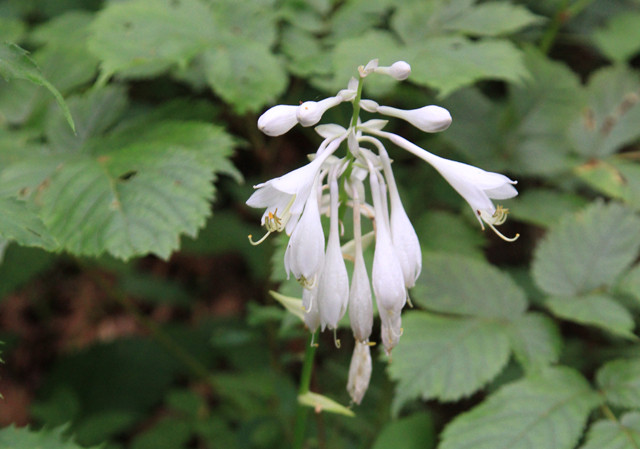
295,202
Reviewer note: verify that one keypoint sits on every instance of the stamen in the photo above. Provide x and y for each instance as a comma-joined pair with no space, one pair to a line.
259,241
498,218
313,343
336,340
309,285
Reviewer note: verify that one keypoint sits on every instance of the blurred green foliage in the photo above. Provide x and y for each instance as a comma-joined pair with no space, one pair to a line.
127,129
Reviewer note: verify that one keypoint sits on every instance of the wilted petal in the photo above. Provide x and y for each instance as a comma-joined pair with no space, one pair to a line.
359,372
390,328
310,304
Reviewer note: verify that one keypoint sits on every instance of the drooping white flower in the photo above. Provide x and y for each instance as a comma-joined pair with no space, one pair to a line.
478,187
390,329
304,256
333,286
430,119
386,275
359,372
310,112
311,312
400,70
278,120
360,305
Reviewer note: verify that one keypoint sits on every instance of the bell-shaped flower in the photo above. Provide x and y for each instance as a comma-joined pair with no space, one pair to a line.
360,305
387,277
284,197
359,372
478,187
399,70
278,120
333,286
310,303
304,256
430,119
310,112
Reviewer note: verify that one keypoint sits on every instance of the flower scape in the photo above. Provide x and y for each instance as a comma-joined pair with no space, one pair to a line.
295,202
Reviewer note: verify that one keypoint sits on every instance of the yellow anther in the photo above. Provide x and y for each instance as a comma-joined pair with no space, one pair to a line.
498,218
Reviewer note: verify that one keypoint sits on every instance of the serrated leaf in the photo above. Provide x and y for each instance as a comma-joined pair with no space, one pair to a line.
535,340
464,286
630,283
595,310
616,177
16,63
619,40
545,207
415,431
610,118
143,38
447,64
622,434
245,73
446,358
619,381
20,224
449,233
546,410
23,438
587,250
492,19
322,403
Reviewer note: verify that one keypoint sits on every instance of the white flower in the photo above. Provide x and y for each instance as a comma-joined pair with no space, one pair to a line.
360,306
310,112
304,256
359,372
333,287
399,70
478,187
278,120
390,329
386,275
430,119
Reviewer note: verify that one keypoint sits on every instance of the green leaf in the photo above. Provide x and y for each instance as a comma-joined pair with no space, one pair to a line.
449,233
619,381
143,38
535,340
492,19
622,434
546,410
245,73
292,305
610,118
630,283
447,63
167,433
588,250
415,431
19,223
416,20
23,438
595,310
446,358
458,285
545,207
614,176
16,63
619,39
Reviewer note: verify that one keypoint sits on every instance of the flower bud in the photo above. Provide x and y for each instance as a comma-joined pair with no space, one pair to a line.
399,70
359,372
278,120
430,119
310,112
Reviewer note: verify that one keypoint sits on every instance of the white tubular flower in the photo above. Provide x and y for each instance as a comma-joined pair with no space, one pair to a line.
360,305
475,185
311,313
284,197
278,120
359,372
430,119
310,112
333,287
387,276
390,329
304,256
399,70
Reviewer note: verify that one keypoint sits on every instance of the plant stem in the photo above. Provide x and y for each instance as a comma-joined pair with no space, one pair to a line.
302,414
356,104
563,15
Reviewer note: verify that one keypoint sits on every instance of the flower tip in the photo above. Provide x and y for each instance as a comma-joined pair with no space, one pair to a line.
438,119
400,70
278,120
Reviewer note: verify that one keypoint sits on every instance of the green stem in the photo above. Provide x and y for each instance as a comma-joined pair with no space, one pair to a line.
563,15
356,103
612,417
302,414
